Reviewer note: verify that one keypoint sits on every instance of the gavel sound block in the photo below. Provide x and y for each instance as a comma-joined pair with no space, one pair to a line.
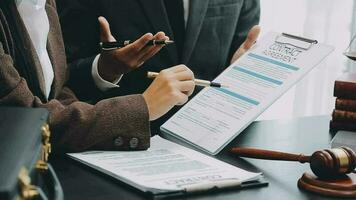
332,168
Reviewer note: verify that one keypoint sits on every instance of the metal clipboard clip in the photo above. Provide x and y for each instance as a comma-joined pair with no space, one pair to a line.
295,41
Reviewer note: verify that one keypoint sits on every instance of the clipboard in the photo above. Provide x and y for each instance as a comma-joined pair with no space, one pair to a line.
215,116
309,42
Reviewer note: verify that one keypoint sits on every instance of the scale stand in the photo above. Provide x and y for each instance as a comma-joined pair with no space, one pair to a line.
348,53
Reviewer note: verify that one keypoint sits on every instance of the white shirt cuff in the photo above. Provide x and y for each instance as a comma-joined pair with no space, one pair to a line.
102,84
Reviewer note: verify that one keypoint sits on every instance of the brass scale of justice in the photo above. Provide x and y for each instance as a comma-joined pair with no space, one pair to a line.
333,169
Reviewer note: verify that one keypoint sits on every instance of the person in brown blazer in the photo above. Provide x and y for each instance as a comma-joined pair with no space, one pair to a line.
120,123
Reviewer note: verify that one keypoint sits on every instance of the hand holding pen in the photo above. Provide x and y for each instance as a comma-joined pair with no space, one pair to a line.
118,61
197,82
170,87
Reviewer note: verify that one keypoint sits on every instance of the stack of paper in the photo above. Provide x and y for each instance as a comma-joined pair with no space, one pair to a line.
166,166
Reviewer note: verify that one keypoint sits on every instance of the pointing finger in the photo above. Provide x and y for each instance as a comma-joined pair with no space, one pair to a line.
140,43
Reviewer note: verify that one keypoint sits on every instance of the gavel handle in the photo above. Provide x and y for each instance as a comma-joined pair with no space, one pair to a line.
269,155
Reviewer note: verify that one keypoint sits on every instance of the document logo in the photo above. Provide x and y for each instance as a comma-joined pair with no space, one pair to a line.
283,52
193,180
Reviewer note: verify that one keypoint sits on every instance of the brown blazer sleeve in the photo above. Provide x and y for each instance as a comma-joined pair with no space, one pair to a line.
120,123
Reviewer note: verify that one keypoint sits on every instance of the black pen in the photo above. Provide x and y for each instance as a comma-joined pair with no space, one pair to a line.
198,82
108,46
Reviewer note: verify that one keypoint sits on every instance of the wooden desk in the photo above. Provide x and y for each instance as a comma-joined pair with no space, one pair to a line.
300,135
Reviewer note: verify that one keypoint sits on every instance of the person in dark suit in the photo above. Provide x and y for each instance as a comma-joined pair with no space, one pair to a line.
33,73
208,35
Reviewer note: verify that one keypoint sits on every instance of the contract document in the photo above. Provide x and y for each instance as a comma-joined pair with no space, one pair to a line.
166,167
215,116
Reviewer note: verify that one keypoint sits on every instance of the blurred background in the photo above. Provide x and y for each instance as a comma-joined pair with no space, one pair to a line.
328,21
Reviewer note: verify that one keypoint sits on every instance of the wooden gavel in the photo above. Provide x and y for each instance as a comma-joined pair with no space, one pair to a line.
328,163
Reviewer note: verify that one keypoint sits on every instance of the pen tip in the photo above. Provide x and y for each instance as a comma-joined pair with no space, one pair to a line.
169,41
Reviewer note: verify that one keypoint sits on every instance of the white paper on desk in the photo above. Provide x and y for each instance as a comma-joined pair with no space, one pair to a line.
165,166
216,116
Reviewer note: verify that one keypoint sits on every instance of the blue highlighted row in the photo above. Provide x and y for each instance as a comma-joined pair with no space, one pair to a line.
251,101
258,75
273,61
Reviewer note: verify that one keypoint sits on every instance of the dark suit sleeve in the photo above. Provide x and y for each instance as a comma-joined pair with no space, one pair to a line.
249,16
81,35
78,126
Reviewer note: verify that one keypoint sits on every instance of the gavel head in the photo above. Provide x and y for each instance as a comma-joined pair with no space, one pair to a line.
331,163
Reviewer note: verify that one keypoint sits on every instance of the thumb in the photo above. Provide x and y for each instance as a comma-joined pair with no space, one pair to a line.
105,33
252,36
